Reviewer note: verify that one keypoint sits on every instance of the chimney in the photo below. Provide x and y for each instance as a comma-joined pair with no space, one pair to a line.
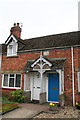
16,30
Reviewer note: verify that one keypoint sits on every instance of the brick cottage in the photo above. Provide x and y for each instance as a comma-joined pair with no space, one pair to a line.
44,67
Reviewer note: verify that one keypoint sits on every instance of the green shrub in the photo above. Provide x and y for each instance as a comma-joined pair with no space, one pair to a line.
18,96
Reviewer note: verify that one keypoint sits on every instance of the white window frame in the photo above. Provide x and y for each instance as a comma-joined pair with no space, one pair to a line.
14,81
8,49
78,81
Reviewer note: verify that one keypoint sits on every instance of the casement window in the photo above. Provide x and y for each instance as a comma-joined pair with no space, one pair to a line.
11,80
12,49
79,81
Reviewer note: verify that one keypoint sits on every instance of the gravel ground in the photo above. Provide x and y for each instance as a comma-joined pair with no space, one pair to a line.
66,112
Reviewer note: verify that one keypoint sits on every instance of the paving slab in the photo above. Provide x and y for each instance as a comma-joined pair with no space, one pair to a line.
21,113
26,110
31,106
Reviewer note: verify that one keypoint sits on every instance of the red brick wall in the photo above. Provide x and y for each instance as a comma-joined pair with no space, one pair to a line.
17,33
67,70
17,64
0,71
0,81
77,68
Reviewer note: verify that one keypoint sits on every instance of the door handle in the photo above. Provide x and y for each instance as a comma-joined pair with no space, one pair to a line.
38,87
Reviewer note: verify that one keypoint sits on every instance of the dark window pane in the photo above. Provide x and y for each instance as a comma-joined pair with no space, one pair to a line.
5,82
10,49
11,75
11,82
18,80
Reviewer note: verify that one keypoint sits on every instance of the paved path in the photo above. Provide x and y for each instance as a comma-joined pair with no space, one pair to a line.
31,106
27,110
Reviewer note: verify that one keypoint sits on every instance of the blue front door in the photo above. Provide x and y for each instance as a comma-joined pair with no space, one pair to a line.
53,87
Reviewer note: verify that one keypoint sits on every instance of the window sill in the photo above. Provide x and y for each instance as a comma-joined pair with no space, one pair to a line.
12,87
27,90
14,56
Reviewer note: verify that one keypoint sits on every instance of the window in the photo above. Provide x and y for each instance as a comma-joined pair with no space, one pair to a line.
79,81
5,83
12,80
12,49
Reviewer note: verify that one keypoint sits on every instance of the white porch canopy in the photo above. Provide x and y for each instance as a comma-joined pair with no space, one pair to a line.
39,85
41,65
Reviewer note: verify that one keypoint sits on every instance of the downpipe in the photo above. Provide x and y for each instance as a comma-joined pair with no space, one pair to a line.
72,54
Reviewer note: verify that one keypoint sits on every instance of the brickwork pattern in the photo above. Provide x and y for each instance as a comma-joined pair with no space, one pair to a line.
17,64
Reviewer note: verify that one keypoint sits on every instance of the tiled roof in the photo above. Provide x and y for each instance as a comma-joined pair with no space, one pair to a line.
57,63
51,41
57,40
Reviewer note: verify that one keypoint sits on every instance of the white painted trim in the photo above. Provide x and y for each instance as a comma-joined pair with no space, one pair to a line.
14,81
2,79
40,59
59,71
47,62
27,90
62,74
31,84
59,82
8,80
26,77
78,81
10,38
8,49
25,82
41,70
12,87
12,55
21,79
35,63
52,101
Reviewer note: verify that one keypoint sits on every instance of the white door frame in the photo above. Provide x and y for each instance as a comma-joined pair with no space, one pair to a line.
61,76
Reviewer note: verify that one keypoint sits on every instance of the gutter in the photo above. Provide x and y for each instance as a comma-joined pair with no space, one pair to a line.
44,49
72,54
